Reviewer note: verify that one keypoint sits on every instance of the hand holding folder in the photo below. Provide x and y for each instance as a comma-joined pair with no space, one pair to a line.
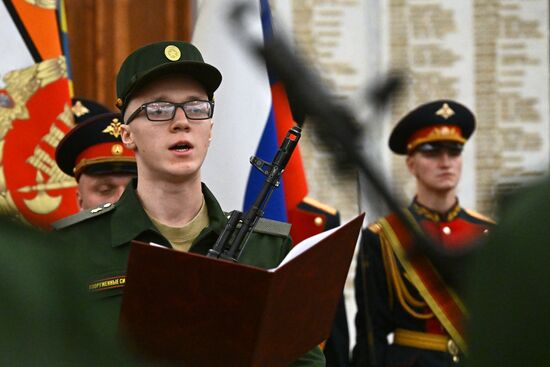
206,312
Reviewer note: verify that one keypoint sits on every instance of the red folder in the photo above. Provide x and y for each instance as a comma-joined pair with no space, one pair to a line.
201,311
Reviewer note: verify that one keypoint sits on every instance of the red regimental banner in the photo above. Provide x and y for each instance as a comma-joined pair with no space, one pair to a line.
34,115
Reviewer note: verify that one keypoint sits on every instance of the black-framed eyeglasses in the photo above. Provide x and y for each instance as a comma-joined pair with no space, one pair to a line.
165,111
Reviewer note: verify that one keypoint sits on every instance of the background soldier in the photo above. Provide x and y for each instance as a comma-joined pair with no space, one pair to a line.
313,217
93,153
407,297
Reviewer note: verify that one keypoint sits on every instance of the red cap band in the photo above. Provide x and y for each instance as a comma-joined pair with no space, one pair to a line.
102,153
435,133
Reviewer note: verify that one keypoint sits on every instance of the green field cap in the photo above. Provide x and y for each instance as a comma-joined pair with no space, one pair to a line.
161,58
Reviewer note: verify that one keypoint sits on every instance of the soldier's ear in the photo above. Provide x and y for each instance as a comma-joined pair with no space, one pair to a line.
79,199
410,164
127,137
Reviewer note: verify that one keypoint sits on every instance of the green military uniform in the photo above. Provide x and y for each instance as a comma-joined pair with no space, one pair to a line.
42,322
99,242
508,293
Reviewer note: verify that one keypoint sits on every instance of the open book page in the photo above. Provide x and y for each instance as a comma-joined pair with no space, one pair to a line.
304,246
157,245
296,250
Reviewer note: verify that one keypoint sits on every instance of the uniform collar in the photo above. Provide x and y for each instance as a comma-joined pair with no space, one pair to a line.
432,215
129,220
217,219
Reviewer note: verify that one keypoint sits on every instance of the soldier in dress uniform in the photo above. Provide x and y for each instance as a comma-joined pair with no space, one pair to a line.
407,297
93,153
309,218
166,97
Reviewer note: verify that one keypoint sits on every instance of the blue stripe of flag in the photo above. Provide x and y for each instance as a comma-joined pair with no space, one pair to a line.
64,37
276,207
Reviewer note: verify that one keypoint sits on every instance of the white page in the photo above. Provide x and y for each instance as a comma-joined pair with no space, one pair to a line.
157,245
304,246
296,251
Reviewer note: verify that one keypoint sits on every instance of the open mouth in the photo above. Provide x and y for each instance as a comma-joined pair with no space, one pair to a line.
181,147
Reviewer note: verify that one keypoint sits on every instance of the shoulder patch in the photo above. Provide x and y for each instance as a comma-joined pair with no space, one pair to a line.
82,216
480,216
273,227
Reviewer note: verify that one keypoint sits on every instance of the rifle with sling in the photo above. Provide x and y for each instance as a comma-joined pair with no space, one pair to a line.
233,238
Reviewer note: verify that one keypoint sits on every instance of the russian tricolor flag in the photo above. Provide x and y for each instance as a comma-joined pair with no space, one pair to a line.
252,113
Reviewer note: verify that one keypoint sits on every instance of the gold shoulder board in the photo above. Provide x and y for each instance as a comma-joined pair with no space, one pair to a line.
477,215
317,204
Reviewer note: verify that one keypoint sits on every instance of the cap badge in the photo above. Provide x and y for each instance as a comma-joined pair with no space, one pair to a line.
445,111
172,53
117,149
114,128
79,109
